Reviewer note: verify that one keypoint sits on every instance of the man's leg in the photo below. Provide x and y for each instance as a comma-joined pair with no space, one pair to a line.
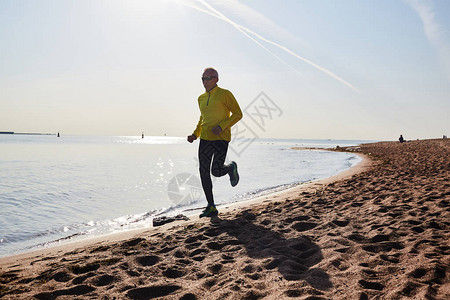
215,151
205,153
220,153
218,167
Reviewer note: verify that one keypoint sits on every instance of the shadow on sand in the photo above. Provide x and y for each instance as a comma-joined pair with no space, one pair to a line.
292,257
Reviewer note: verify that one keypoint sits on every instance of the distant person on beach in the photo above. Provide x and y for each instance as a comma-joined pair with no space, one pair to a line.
219,111
401,140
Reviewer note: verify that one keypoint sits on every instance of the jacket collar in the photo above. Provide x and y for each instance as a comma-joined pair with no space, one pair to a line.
214,89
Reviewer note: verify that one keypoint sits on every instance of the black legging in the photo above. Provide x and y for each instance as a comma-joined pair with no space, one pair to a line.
215,151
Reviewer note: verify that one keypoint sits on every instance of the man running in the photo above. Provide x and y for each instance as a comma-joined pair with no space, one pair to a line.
214,130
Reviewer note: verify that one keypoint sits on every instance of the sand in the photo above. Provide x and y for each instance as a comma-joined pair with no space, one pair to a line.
380,232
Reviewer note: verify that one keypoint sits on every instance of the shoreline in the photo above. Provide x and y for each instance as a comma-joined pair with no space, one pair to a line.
193,217
380,233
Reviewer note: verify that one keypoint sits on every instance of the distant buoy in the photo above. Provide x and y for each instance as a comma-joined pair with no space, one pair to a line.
58,134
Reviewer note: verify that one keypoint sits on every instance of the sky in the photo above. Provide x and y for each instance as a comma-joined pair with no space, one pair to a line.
325,69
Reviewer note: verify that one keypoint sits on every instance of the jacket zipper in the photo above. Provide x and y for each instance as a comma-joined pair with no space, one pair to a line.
207,102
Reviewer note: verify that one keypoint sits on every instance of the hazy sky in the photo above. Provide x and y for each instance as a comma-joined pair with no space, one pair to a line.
332,69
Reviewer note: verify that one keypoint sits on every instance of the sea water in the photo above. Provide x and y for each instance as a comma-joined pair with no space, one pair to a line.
60,189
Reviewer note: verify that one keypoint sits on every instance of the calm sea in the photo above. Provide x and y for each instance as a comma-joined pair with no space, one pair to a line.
58,189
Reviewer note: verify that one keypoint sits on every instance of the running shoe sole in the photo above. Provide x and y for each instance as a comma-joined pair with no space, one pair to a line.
234,176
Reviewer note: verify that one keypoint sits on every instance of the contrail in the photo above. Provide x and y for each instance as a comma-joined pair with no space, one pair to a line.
434,31
239,28
246,31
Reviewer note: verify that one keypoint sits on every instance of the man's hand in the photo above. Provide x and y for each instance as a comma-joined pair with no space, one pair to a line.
191,138
217,130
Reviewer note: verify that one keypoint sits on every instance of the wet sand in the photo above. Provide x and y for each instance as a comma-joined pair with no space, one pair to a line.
377,232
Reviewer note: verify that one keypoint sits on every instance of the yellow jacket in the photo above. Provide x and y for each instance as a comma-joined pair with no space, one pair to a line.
215,108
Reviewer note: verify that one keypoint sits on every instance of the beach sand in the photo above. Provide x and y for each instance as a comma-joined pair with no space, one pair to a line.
380,232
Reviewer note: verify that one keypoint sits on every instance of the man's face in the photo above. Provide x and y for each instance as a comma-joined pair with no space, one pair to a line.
209,84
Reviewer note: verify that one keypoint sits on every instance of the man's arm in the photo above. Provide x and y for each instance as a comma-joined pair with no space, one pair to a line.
217,130
197,131
191,138
236,113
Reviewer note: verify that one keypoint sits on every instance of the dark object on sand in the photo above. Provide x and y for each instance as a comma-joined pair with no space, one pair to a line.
400,139
158,221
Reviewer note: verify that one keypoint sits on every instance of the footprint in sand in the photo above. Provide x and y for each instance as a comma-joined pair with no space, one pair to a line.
215,268
198,252
81,269
78,290
152,292
371,285
188,296
148,260
104,280
82,278
304,226
341,223
62,276
173,272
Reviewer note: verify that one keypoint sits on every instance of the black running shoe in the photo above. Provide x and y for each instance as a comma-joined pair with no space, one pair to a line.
234,175
210,211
